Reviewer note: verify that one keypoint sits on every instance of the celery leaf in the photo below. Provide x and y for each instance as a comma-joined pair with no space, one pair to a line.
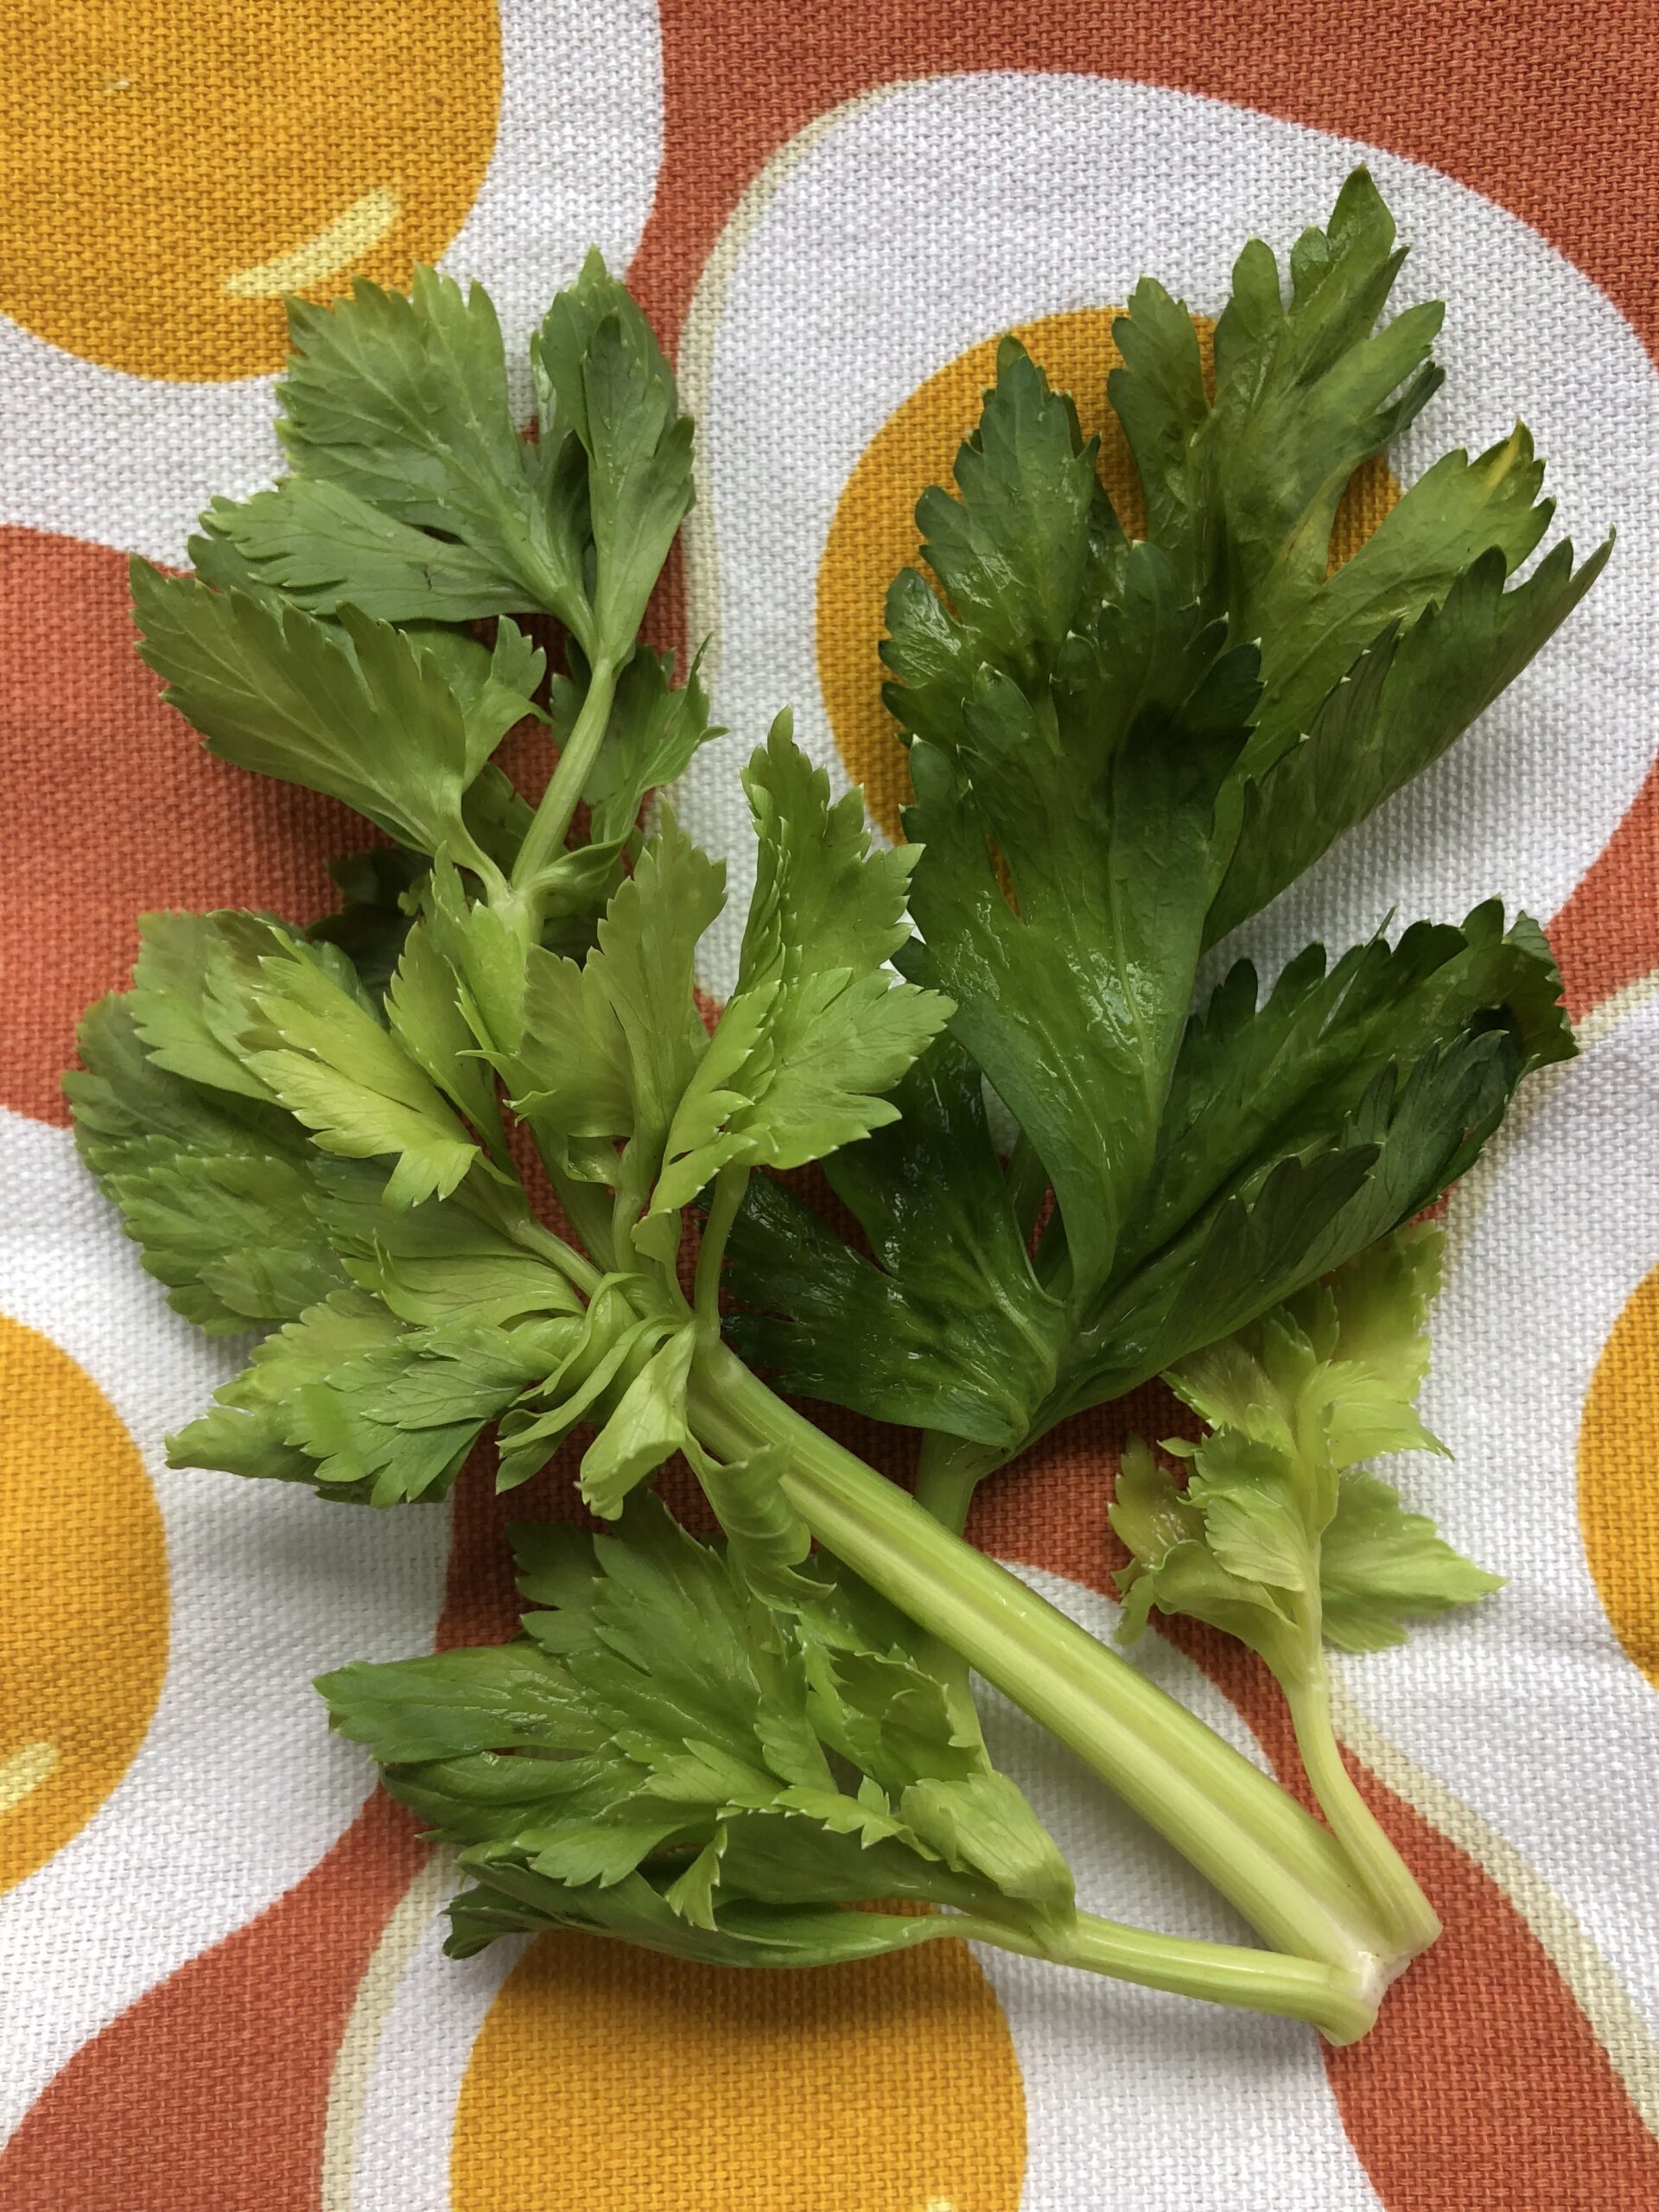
1279,1537
661,1758
945,1325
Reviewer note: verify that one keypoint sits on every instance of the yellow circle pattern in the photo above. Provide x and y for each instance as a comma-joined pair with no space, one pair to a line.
169,168
873,533
607,2079
1619,1495
83,1599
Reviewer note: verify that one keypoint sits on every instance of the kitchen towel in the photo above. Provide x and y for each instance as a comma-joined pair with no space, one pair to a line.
220,1985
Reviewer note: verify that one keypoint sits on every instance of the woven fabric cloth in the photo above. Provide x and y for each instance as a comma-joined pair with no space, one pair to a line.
220,1984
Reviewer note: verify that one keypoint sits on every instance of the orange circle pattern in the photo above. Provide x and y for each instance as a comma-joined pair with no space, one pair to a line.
607,2077
1618,1498
169,168
83,1599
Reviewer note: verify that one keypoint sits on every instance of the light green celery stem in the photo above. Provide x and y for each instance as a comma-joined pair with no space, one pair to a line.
948,1472
1408,1913
1333,1998
730,1186
570,1264
544,839
1285,1873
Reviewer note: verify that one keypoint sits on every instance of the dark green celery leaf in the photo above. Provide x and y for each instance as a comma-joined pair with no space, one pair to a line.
1242,491
1289,1218
1457,511
1099,796
947,1326
1159,398
1251,1080
1409,695
1255,1236
1020,555
1307,389
653,1760
1369,671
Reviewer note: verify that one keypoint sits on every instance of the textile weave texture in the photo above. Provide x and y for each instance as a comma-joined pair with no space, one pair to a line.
220,1985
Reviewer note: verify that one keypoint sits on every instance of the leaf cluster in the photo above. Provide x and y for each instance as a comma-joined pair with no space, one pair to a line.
330,634
662,1755
314,1132
328,1138
1121,751
1279,1535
